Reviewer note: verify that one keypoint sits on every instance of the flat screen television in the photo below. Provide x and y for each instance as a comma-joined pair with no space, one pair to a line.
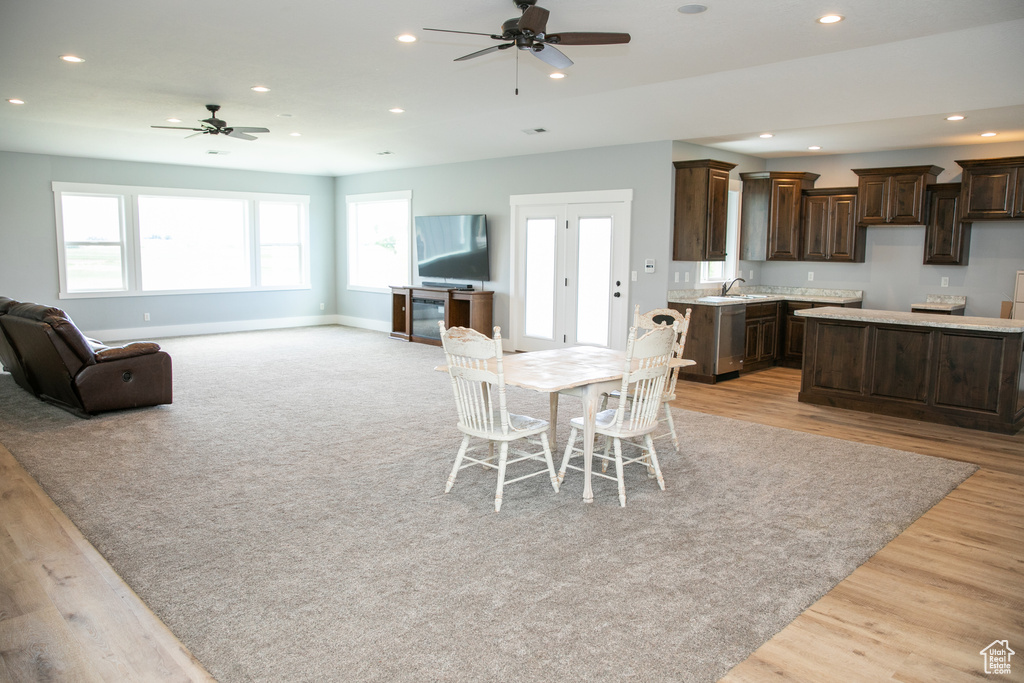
452,247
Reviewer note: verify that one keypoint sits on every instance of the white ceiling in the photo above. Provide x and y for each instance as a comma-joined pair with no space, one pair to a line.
885,78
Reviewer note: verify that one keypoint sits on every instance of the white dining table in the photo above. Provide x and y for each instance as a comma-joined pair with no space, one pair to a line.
584,371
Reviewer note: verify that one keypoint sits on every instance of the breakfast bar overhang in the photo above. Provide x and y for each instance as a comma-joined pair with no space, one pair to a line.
964,371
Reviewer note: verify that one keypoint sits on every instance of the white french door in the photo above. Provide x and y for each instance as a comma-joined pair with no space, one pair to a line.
570,265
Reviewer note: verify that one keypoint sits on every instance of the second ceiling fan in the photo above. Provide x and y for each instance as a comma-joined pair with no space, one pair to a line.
529,32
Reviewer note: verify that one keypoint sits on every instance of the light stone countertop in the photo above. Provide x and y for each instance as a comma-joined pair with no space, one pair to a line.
942,302
915,319
766,293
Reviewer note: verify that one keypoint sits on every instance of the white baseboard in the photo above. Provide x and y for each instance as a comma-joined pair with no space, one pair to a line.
159,331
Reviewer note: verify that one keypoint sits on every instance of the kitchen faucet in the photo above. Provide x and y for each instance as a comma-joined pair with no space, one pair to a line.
727,287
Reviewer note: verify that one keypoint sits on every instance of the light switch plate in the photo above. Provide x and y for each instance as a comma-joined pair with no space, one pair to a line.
810,275
945,282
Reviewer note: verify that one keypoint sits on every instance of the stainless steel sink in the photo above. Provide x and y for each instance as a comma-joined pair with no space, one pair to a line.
732,298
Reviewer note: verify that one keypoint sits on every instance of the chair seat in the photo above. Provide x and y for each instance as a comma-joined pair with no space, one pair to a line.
519,426
605,424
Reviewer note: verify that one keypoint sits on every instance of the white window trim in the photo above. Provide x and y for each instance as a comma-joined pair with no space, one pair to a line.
132,249
732,260
350,236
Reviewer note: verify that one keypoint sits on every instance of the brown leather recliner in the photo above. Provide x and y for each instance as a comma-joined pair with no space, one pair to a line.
61,366
8,356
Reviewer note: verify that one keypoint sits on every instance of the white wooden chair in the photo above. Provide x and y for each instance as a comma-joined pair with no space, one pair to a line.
644,379
649,321
478,381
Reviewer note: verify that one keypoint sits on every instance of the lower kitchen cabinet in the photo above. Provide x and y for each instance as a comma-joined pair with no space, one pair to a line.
761,344
792,355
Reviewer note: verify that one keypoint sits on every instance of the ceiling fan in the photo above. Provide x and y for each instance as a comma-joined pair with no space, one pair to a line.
215,126
529,32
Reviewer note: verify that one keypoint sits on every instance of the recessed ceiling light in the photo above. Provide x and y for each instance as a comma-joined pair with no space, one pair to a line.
173,120
831,19
295,135
692,9
216,152
15,100
406,38
814,147
767,135
73,59
284,116
557,75
956,117
396,110
988,135
260,88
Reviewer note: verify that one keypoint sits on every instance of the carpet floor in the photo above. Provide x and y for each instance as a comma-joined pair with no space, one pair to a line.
285,517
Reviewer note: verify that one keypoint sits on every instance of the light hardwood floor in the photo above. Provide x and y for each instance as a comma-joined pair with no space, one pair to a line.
920,610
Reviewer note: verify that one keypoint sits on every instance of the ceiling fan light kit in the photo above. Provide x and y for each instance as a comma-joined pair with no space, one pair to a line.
215,126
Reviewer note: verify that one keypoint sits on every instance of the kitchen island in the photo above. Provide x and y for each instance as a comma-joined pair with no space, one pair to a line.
964,371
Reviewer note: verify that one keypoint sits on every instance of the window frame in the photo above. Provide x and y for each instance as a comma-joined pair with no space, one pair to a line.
351,234
131,241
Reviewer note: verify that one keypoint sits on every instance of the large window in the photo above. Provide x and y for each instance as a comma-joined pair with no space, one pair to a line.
378,227
116,240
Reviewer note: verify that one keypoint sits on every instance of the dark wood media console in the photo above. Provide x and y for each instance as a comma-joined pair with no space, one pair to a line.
966,371
415,312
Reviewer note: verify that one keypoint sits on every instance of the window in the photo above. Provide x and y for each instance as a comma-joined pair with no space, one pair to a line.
724,271
131,240
378,227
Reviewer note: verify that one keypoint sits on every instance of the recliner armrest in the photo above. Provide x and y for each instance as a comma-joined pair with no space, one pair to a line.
131,350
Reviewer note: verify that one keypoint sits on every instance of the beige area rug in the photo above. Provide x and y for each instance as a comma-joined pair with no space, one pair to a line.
285,517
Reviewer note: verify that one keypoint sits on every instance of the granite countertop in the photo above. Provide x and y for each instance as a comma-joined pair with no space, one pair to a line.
942,302
915,319
756,293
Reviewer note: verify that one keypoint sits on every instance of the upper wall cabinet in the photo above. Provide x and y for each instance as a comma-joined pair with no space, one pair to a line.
947,239
770,225
893,196
830,230
702,203
992,189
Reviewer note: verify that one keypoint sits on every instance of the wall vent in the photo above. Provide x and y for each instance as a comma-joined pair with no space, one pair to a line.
534,131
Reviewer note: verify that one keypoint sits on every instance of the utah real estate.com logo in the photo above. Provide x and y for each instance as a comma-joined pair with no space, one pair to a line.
997,657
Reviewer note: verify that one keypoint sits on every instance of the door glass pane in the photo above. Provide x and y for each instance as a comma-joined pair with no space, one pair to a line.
540,278
594,280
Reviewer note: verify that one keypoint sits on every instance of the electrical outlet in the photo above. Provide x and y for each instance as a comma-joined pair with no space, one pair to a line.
686,277
632,275
321,305
810,275
945,282
677,276
751,274
145,316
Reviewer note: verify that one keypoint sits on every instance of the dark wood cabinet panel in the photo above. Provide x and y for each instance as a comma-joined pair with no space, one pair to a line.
830,230
701,210
793,334
762,335
700,342
970,378
458,308
947,239
893,196
992,189
770,225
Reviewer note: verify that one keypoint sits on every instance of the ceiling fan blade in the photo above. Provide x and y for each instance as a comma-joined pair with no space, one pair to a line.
202,132
248,129
588,38
549,55
236,133
485,51
178,128
468,33
534,19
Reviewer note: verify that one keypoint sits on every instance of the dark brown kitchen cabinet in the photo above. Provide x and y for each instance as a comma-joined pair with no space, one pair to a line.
992,189
893,196
762,336
830,230
947,239
701,207
792,355
770,228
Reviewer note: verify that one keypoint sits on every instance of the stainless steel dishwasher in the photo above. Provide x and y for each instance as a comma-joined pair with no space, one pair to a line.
730,333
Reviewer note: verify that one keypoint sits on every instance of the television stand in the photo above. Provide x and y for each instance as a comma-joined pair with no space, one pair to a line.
445,285
415,312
